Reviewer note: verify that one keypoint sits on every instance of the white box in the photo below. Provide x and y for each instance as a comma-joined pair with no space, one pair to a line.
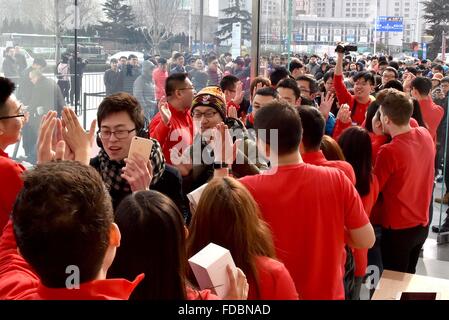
209,267
195,196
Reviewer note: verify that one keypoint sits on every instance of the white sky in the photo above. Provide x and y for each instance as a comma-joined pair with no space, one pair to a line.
213,7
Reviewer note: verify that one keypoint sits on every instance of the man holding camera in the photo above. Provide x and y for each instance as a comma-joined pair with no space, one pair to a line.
357,104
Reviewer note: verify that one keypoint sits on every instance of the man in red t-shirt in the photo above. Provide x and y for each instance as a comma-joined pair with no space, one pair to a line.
359,102
405,171
63,223
313,125
173,126
312,211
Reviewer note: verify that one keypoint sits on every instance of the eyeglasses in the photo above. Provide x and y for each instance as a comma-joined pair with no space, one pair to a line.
207,114
20,114
119,134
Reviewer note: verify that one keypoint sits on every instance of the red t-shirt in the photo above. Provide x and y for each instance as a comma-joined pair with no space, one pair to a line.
159,78
19,282
317,158
405,171
432,115
275,282
10,173
308,208
179,132
361,255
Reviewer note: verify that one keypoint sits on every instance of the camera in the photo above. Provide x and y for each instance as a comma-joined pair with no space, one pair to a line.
345,48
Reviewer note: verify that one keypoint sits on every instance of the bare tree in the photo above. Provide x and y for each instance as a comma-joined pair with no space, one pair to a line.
156,18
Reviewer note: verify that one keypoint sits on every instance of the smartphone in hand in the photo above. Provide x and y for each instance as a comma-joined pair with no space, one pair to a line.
140,146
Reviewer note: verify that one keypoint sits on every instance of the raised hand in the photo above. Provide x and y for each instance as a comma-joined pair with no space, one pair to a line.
138,172
326,103
77,139
50,145
344,114
164,110
222,144
239,93
232,112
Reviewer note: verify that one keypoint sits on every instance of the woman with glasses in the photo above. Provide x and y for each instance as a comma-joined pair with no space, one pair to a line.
208,110
12,119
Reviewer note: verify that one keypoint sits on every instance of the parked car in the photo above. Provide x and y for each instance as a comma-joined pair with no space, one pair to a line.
117,56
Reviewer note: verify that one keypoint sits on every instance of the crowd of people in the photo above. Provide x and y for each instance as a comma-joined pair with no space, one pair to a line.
310,173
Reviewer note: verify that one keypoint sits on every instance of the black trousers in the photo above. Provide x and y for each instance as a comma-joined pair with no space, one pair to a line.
401,248
76,84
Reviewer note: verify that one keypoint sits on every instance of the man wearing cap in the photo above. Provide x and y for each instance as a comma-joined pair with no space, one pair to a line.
208,110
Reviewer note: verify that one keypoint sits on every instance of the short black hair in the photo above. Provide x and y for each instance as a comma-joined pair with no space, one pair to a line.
290,84
391,69
278,74
422,85
439,67
173,81
394,64
367,76
412,70
370,114
228,82
295,65
313,84
280,116
445,79
395,84
7,87
313,126
122,102
63,217
328,75
267,92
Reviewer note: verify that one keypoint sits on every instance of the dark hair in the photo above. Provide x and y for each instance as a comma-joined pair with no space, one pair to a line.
383,63
228,82
445,79
355,143
313,85
290,84
295,65
422,85
242,232
395,84
132,56
267,92
177,55
438,67
391,69
280,116
173,82
394,65
417,114
278,74
211,58
412,70
153,242
265,81
121,102
123,57
396,105
328,75
313,126
114,60
7,87
62,217
367,76
370,113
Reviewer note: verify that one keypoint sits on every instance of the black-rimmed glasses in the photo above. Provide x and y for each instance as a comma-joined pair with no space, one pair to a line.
119,134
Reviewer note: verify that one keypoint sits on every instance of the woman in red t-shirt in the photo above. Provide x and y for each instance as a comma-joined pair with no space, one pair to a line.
153,242
227,215
355,143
